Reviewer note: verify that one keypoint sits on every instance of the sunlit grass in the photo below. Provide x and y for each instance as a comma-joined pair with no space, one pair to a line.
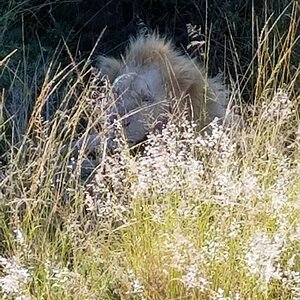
197,216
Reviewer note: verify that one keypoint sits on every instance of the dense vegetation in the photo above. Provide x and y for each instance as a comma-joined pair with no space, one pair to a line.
197,215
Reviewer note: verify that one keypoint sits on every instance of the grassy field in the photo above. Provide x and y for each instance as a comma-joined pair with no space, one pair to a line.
197,216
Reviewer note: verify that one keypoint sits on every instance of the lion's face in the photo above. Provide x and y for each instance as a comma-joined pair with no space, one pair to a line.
140,102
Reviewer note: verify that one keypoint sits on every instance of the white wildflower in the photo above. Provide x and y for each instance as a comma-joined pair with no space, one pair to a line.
23,297
158,213
279,190
19,236
219,295
15,278
136,287
263,257
214,249
235,228
62,278
219,141
193,279
181,252
291,282
250,186
168,164
280,108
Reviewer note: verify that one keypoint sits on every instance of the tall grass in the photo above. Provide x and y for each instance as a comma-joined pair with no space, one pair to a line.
197,216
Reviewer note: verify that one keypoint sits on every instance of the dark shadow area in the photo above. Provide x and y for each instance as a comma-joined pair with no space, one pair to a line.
228,25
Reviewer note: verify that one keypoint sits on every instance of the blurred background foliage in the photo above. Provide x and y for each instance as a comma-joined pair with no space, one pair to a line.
245,39
232,27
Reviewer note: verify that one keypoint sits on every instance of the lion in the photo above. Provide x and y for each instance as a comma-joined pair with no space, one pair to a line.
154,83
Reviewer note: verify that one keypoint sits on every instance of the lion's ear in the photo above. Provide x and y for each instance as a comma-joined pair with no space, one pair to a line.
109,66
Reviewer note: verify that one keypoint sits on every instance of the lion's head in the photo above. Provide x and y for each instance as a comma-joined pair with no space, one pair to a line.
141,102
153,82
